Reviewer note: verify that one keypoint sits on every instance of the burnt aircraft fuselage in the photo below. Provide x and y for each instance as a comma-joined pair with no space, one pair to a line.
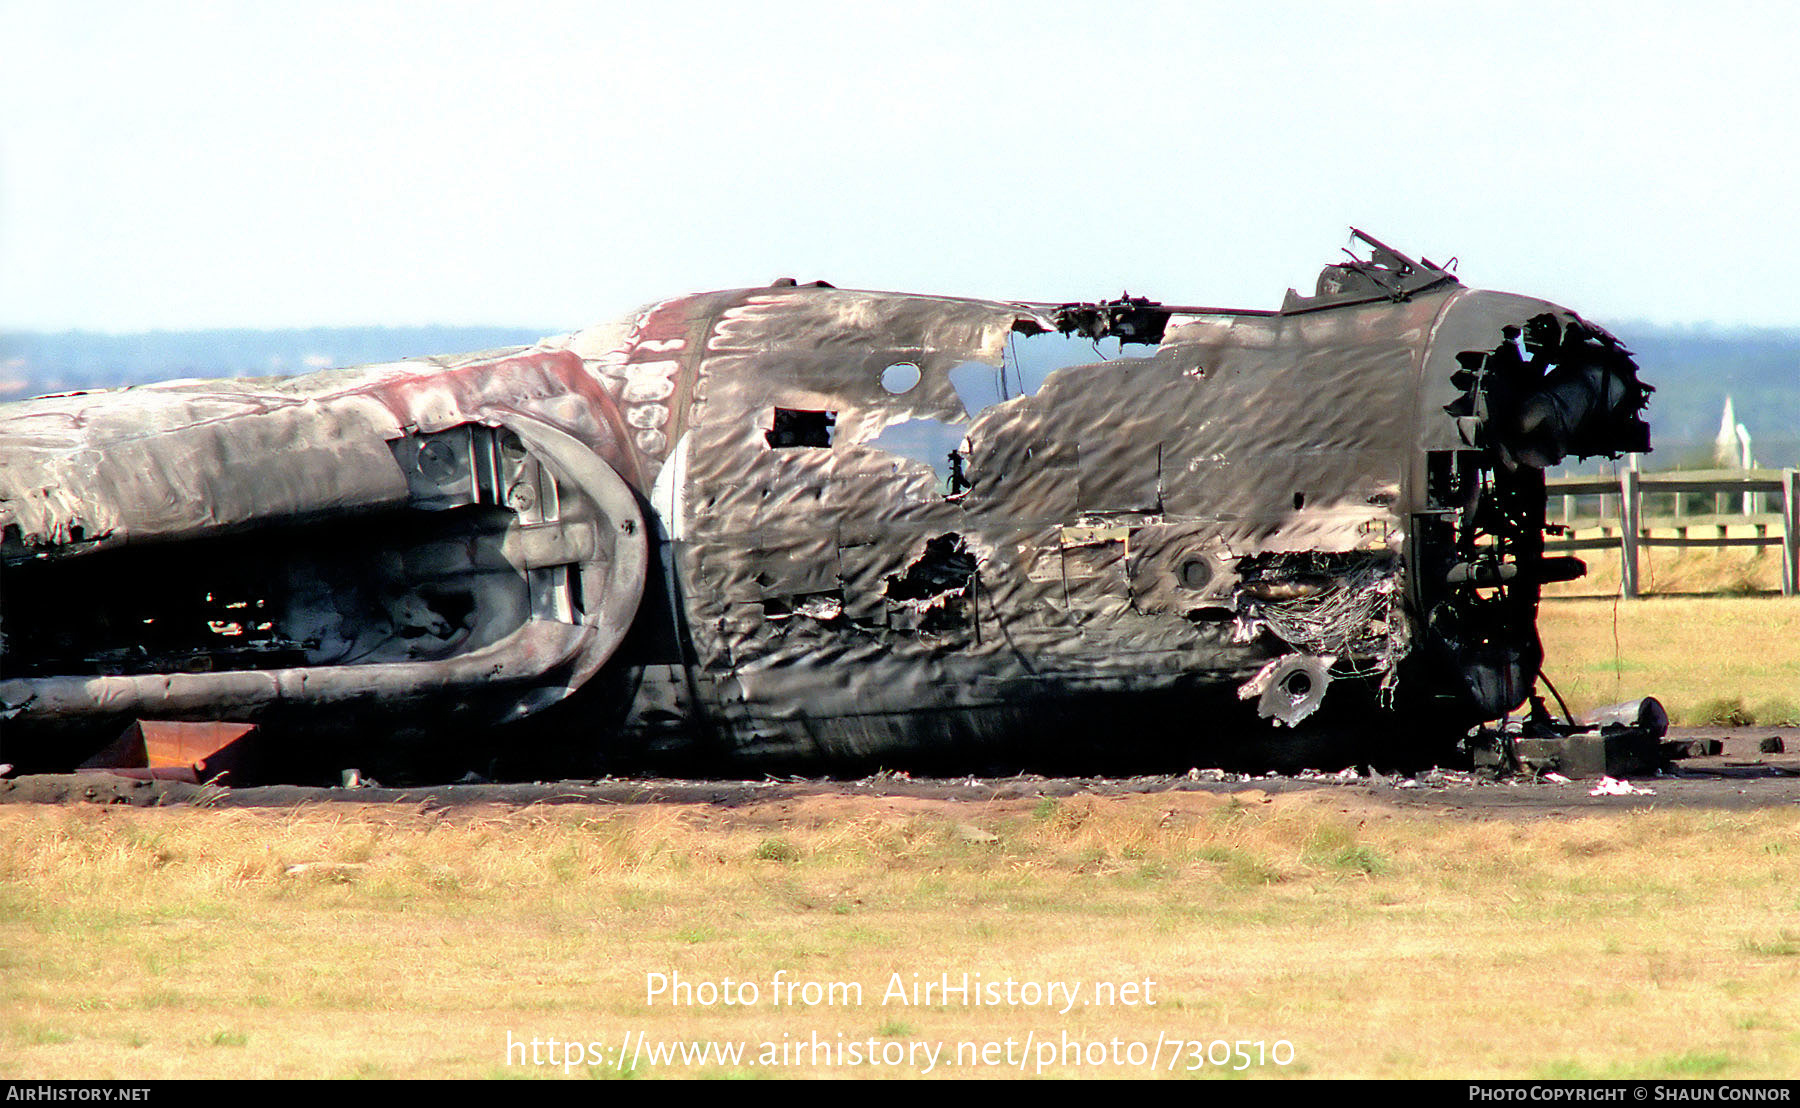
803,524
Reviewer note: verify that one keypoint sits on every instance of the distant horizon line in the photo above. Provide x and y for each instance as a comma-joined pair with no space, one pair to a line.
1699,327
111,333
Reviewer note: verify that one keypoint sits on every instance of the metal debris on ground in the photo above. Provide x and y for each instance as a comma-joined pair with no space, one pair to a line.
1439,778
1613,742
1347,776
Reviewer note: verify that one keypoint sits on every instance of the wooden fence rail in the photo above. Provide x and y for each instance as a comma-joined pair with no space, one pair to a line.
1631,486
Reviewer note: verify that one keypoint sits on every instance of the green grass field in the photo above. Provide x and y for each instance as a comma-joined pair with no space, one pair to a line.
367,942
346,943
1718,659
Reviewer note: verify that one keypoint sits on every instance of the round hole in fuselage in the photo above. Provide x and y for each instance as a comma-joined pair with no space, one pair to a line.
900,377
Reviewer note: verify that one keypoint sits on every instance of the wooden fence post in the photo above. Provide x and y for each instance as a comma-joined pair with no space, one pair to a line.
1629,514
1790,535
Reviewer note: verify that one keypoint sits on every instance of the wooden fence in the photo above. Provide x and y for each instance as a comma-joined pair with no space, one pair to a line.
1746,488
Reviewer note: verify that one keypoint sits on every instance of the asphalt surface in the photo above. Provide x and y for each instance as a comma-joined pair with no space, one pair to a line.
1742,776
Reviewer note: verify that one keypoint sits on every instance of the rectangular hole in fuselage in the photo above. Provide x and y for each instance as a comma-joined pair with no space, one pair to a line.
800,427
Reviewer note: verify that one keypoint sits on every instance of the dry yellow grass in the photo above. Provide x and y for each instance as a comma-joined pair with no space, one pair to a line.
1671,571
1692,653
150,943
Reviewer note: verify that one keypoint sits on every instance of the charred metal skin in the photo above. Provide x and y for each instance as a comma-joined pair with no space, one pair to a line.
803,525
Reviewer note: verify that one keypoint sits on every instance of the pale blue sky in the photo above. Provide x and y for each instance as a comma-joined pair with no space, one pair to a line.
176,165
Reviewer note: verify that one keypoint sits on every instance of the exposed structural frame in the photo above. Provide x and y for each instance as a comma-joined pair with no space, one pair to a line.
804,525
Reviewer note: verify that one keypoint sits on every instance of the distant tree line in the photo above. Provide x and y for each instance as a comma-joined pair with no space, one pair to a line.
32,363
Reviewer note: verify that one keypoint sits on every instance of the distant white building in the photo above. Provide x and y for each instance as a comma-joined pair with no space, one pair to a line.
1731,448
